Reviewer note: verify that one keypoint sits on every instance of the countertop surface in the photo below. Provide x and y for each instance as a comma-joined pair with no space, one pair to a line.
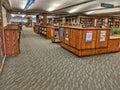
76,27
11,28
114,37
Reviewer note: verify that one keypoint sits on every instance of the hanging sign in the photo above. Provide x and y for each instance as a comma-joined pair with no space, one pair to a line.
89,36
67,36
106,5
102,36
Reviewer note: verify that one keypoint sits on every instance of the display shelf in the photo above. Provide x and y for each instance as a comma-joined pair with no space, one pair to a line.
43,30
87,22
113,22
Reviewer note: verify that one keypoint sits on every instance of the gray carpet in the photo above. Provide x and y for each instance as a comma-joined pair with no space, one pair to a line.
43,65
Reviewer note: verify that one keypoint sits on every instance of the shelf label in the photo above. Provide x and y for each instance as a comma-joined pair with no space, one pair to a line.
102,36
89,36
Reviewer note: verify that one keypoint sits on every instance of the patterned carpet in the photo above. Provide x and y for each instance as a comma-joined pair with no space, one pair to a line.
43,65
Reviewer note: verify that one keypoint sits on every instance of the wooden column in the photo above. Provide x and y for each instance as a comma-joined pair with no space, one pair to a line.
37,19
2,45
28,22
44,19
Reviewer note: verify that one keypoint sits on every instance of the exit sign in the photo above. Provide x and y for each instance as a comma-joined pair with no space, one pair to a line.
107,5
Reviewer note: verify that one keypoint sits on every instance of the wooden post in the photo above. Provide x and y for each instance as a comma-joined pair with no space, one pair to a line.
37,19
2,48
44,19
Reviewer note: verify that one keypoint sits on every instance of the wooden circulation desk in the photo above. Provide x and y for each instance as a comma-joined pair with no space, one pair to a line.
88,41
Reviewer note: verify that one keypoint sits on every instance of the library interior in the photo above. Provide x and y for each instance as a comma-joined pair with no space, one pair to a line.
59,44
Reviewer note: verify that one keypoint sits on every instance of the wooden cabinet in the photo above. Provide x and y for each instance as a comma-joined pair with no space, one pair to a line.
113,45
102,38
67,35
86,42
12,40
76,38
48,32
55,34
89,39
62,34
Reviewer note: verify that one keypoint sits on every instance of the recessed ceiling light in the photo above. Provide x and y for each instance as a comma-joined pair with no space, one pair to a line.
90,12
56,4
12,15
73,10
51,9
33,16
23,15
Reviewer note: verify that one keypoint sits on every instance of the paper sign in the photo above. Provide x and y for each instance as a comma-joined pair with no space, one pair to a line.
89,36
67,36
62,32
102,36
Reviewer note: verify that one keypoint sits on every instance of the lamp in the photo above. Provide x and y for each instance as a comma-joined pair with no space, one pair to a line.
29,4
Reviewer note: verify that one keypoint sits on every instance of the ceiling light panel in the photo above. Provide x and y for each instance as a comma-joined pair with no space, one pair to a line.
18,4
56,4
104,11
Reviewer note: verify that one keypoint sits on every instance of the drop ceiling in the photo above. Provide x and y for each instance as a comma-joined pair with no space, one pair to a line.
66,6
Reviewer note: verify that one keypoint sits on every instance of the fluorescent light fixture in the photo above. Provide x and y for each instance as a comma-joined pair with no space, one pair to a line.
51,9
33,16
30,2
90,12
55,5
23,15
73,10
12,15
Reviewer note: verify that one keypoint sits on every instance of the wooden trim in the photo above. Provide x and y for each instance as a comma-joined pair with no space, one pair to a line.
3,63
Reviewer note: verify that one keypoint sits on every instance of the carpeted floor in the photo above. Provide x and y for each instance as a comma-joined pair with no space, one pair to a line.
43,65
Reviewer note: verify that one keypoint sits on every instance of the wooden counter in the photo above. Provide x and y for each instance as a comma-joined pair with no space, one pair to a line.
88,41
12,40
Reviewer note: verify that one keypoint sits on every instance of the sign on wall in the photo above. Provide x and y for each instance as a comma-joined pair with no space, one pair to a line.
67,36
89,36
62,32
102,36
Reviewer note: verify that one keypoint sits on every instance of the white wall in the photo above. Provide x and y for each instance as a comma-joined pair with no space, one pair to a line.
4,13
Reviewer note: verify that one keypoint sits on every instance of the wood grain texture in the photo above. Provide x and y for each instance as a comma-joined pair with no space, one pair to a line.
100,44
67,35
12,42
113,45
49,33
89,45
76,38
